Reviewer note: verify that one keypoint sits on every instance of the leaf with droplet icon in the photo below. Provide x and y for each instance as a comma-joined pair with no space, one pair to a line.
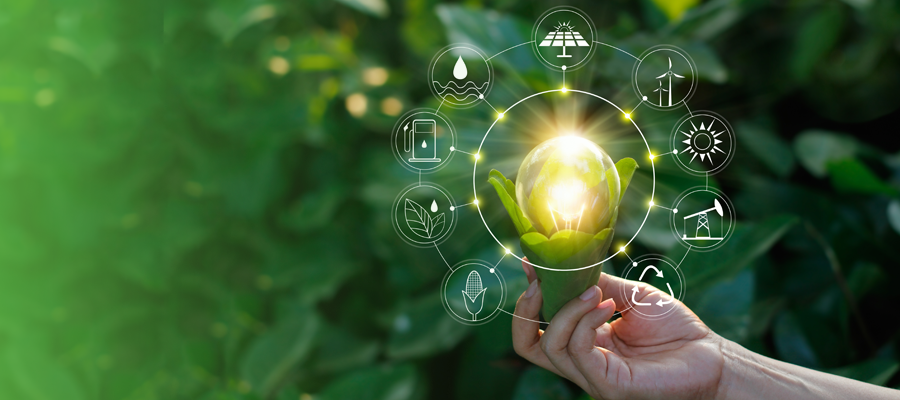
421,223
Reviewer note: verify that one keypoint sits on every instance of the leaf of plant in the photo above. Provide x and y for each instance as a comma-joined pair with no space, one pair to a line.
539,384
229,18
893,213
523,225
815,148
422,328
748,242
272,355
791,342
382,382
850,175
767,146
376,8
876,371
419,217
625,168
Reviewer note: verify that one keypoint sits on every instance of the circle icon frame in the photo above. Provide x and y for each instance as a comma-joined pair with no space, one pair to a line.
451,226
664,47
475,173
493,271
731,217
732,144
636,264
398,127
536,38
443,99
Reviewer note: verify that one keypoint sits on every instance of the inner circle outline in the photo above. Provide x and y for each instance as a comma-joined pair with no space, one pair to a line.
396,131
732,143
665,47
444,236
652,190
718,193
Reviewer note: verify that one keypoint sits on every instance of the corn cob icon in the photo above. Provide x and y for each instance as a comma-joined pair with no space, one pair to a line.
474,290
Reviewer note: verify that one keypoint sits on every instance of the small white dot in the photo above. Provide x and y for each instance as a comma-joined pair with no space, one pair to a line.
627,115
652,156
452,148
651,203
507,251
477,156
452,208
492,270
622,249
675,151
564,67
645,98
480,96
675,211
475,202
634,263
500,115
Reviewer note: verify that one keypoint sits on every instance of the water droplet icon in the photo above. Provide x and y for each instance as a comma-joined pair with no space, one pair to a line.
460,71
434,206
424,145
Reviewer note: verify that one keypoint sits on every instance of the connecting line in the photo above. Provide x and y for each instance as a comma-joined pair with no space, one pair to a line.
420,178
707,180
463,205
663,154
442,256
657,205
609,45
685,256
629,257
530,320
636,107
444,97
504,51
461,151
501,259
685,106
487,102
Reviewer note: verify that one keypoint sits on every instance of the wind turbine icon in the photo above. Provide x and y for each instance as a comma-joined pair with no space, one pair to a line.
660,90
668,74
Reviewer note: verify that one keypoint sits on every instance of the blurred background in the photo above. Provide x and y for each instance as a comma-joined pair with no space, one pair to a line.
196,194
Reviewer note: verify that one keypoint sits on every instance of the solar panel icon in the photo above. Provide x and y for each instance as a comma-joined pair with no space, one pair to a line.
564,36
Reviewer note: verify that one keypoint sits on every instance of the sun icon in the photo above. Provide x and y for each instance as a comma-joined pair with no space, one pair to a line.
702,141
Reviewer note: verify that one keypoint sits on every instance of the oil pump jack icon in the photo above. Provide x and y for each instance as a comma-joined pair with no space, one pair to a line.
660,302
423,129
703,222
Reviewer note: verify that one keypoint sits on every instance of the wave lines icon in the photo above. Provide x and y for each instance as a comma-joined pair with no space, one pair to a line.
459,93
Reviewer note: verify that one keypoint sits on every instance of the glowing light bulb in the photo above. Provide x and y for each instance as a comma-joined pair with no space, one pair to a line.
568,183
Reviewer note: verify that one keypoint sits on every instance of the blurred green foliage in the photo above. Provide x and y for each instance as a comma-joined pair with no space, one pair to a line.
197,192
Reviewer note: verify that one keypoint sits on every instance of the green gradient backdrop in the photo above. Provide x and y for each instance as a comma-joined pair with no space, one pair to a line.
195,195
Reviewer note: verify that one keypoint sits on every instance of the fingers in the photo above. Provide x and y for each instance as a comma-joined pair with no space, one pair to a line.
591,361
555,340
615,288
526,333
529,271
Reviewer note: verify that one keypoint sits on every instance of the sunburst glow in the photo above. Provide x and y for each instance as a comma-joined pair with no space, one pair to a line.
702,141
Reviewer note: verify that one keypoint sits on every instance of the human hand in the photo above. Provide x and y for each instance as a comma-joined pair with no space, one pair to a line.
675,357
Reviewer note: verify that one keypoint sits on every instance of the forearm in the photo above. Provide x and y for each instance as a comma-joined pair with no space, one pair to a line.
747,375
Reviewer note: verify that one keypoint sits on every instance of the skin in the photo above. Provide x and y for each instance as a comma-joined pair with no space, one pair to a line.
675,357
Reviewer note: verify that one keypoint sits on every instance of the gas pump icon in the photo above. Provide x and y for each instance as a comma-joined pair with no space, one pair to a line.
422,129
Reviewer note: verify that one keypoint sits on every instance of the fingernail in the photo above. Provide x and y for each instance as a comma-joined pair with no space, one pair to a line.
588,294
607,303
527,273
532,288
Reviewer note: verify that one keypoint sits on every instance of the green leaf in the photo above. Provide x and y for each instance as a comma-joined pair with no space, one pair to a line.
490,31
272,355
506,190
565,250
893,213
816,148
674,9
314,210
229,18
625,168
387,382
539,384
816,37
876,371
423,328
765,144
748,242
376,8
40,376
850,175
791,342
338,350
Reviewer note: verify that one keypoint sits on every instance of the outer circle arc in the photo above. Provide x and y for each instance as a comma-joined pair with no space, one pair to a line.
475,173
